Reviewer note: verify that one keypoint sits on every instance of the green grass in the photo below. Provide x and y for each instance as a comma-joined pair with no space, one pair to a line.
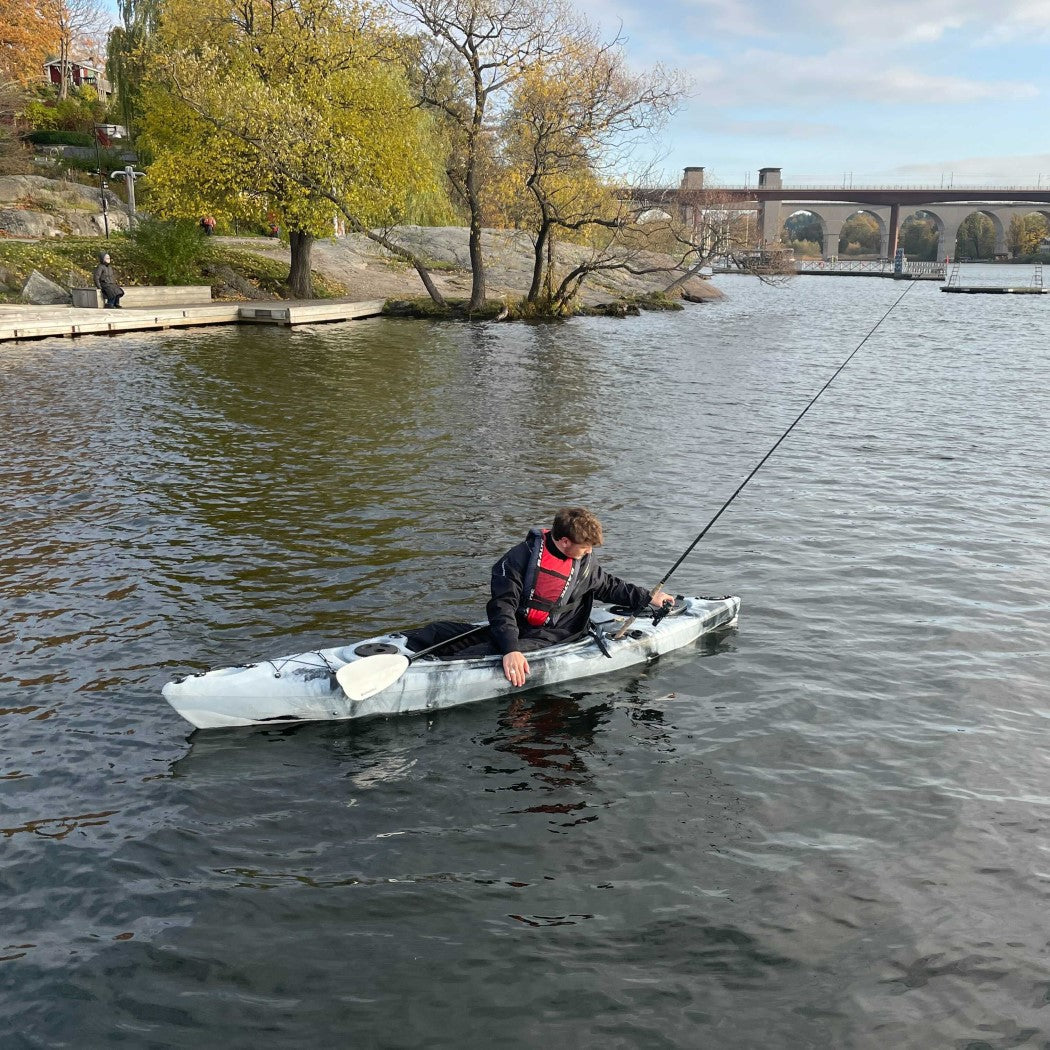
71,261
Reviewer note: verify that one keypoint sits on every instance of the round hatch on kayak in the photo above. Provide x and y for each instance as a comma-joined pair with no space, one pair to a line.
375,649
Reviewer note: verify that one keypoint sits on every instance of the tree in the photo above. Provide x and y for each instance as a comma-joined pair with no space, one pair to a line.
976,237
81,25
860,235
1025,234
28,35
576,116
294,108
715,228
804,226
477,50
127,54
14,158
919,238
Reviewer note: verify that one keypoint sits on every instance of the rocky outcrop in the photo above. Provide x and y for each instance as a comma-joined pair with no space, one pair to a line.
39,291
369,271
33,206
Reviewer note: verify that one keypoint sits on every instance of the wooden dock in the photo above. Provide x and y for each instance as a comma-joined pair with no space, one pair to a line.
18,323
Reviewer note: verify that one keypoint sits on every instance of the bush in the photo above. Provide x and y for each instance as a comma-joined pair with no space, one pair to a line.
172,250
60,138
80,111
806,249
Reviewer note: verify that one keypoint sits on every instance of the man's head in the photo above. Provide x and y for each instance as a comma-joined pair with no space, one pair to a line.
576,531
104,257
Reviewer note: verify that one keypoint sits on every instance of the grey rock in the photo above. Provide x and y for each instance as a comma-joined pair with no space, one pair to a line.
35,206
18,223
39,291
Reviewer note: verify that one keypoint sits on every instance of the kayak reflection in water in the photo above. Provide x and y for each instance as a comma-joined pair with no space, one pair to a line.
543,591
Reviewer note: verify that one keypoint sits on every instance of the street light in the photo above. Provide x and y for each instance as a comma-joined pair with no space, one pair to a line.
101,183
129,175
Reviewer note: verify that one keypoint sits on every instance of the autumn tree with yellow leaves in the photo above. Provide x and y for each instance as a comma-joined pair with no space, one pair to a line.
472,54
297,108
1026,233
578,122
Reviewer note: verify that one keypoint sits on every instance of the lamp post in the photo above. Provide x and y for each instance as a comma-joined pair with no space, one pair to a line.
129,175
101,181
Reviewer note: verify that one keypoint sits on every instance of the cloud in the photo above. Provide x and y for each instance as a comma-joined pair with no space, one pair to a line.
1032,166
903,22
770,78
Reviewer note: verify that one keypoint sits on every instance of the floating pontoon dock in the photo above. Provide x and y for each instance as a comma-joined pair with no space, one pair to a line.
40,322
1035,288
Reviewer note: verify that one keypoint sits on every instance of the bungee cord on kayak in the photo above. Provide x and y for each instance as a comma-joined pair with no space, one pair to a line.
740,488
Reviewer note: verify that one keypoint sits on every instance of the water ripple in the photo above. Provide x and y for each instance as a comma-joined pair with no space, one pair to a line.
827,829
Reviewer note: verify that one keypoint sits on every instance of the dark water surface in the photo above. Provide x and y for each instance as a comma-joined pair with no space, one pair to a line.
828,830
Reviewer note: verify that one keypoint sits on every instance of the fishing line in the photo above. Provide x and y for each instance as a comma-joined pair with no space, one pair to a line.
776,445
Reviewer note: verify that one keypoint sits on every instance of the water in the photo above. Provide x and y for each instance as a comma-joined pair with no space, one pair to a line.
826,830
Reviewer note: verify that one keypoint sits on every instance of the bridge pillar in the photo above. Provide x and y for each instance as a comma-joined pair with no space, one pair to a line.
832,234
769,211
769,178
692,179
1001,223
689,190
893,233
769,221
946,238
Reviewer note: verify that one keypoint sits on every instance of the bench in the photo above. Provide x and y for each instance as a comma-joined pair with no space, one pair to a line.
146,296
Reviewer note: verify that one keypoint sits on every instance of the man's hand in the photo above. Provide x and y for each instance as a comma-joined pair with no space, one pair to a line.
516,668
659,598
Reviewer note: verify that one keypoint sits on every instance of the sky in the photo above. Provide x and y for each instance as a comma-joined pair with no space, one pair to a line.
844,92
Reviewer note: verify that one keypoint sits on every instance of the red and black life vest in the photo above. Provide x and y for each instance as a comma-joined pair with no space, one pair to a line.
548,581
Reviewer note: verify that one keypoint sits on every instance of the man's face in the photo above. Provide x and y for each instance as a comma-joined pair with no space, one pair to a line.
573,550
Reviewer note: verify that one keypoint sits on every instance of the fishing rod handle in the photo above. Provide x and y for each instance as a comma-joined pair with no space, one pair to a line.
627,624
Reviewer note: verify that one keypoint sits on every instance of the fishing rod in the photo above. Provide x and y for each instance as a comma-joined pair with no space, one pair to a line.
740,488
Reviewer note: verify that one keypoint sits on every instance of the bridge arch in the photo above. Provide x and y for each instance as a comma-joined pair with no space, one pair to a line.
788,214
881,224
922,215
951,216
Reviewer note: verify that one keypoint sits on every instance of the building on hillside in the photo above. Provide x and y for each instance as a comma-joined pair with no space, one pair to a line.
80,72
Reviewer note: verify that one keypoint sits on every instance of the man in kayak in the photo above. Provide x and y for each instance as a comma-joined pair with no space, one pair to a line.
543,591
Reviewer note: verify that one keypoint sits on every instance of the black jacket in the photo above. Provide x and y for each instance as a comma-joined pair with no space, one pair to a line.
509,628
106,279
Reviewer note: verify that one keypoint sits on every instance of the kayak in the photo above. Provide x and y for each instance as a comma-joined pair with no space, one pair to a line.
304,687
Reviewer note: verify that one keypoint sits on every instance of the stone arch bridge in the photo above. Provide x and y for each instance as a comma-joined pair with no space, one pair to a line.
832,206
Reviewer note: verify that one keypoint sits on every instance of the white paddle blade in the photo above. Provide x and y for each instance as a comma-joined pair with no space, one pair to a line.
363,678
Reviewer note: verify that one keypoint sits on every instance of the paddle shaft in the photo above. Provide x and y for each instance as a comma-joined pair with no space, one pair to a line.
740,488
448,641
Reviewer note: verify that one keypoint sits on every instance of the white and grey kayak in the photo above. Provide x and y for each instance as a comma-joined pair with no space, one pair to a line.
304,687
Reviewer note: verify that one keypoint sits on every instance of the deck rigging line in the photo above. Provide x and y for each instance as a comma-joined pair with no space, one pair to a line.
776,445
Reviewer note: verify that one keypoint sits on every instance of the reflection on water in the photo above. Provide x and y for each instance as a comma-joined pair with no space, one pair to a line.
823,830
